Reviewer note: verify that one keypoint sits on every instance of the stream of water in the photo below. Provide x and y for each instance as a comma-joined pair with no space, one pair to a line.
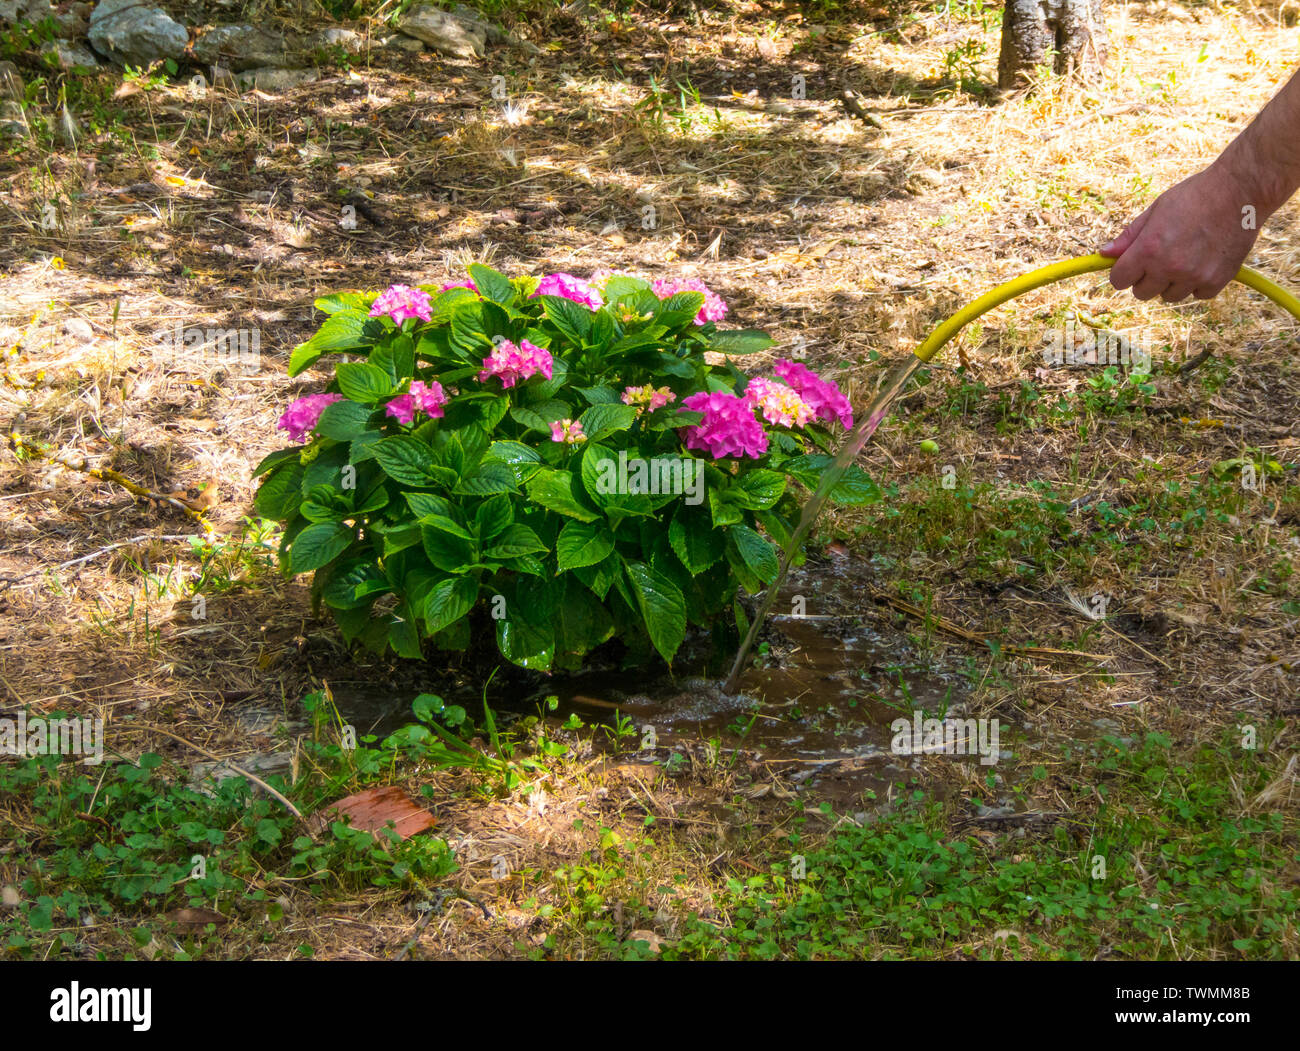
848,452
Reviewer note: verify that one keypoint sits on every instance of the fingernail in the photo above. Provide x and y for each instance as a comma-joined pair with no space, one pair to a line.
1107,248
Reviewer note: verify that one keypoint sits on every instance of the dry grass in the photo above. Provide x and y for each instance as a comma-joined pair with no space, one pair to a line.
224,212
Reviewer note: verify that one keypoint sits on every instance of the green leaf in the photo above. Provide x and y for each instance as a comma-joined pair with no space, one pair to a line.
447,552
558,491
583,544
332,304
740,341
448,601
341,331
601,480
422,504
724,511
694,540
599,578
406,459
572,319
854,487
756,552
581,622
491,478
363,382
318,545
303,357
758,489
447,525
493,515
662,606
523,459
526,634
492,285
602,420
276,458
533,421
355,585
403,635
280,494
517,540
600,395
343,420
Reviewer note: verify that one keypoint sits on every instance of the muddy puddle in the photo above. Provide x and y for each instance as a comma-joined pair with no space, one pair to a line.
817,703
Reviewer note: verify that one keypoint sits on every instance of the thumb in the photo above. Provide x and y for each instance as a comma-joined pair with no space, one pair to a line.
1124,241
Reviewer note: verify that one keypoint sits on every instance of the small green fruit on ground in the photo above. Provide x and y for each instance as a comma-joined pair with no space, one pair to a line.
929,446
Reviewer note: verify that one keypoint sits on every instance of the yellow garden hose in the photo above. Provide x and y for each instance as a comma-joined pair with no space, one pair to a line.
1084,264
897,380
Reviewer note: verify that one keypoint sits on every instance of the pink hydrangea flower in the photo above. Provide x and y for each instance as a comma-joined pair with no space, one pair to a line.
428,400
714,308
647,397
569,287
728,428
513,363
459,284
567,431
825,398
400,302
778,403
300,418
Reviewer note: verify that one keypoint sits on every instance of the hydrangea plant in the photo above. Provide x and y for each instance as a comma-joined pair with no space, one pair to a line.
552,459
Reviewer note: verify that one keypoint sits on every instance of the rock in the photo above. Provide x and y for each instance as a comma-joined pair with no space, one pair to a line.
13,121
11,83
242,47
349,40
494,34
70,55
129,33
404,43
444,32
10,12
70,20
274,79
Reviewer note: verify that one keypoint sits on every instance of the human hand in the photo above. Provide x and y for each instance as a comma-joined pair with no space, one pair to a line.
1190,241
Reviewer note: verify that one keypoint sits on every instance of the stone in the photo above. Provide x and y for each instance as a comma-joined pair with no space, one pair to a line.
129,33
70,20
274,79
13,121
444,32
348,39
494,34
70,55
404,43
242,47
11,83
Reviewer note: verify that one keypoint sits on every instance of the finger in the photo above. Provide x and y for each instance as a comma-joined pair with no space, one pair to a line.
1176,292
1149,287
1128,270
1122,243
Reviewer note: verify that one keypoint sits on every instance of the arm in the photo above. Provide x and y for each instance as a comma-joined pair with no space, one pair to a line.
1192,240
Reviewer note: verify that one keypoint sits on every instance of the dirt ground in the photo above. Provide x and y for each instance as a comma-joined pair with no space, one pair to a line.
186,208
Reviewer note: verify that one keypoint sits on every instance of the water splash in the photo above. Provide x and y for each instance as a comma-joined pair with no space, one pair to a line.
848,452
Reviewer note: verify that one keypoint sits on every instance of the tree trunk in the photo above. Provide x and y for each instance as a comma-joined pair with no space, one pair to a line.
1071,32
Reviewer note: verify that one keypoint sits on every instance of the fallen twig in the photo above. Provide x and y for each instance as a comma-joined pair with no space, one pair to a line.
143,537
226,762
107,474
